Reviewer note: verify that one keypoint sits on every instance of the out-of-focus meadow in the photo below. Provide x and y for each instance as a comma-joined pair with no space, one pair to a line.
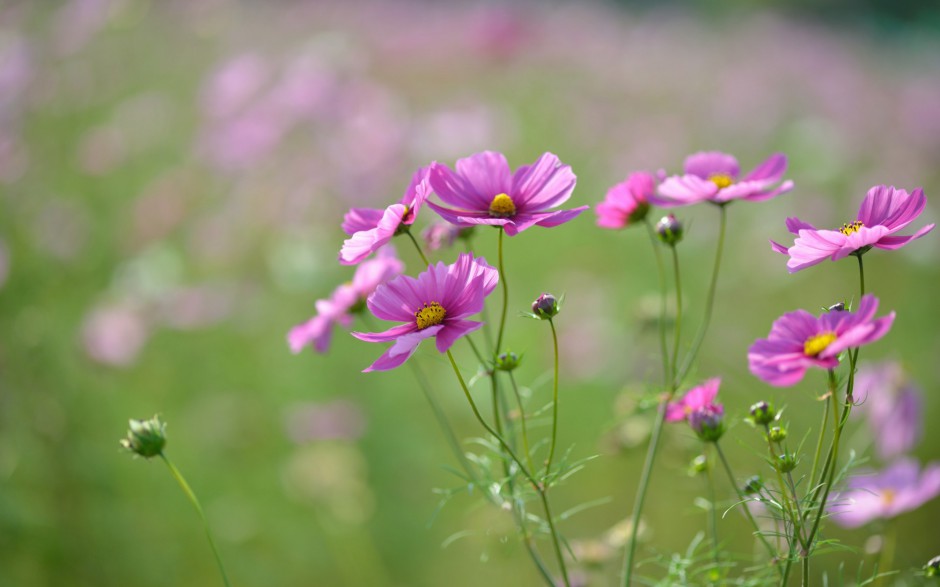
172,179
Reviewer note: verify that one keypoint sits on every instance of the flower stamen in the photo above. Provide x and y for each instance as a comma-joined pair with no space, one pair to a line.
887,496
431,314
502,206
851,227
818,343
722,180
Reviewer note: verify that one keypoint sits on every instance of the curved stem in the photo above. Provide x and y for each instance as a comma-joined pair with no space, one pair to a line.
192,498
654,241
709,302
747,512
641,494
522,420
418,247
836,435
556,543
551,450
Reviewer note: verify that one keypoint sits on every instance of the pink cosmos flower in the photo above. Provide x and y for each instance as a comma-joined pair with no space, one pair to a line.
627,202
713,176
370,228
338,308
695,399
900,488
884,211
484,191
798,340
893,407
437,303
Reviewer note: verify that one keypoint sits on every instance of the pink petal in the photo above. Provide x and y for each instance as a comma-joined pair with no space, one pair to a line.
544,184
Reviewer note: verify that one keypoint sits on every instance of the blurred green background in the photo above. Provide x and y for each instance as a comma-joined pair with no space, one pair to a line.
172,178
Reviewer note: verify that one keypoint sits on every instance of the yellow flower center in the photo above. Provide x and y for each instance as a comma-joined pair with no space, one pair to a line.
818,343
722,180
887,496
430,315
502,207
850,228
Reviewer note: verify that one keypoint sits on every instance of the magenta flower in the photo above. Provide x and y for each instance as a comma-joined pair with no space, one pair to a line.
884,211
695,399
713,176
370,228
798,340
627,202
436,303
900,488
346,299
484,191
893,407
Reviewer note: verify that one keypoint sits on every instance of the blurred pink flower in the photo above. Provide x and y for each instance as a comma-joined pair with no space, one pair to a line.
344,300
114,334
884,211
333,420
484,191
371,228
695,399
798,340
4,263
627,202
232,86
435,304
441,235
712,176
893,407
900,488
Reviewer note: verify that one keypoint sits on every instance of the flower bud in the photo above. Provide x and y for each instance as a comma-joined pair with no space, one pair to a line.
507,361
752,486
762,413
146,438
699,465
839,307
932,568
669,229
777,434
708,422
786,463
545,306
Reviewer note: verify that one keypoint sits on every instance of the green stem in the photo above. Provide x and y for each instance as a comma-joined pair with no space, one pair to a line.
747,512
788,506
713,513
861,275
556,543
644,485
551,450
819,443
654,241
505,284
678,330
709,302
835,460
887,550
192,498
786,572
805,566
418,247
522,421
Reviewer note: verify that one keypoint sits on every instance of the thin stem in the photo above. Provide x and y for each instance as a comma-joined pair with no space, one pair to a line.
835,460
889,537
713,513
861,275
819,443
556,543
505,284
418,247
788,505
709,302
654,241
786,572
747,512
641,494
192,498
476,351
678,329
805,566
487,327
522,419
551,450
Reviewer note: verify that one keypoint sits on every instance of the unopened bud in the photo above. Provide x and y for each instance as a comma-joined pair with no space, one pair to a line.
507,361
699,464
777,434
839,307
752,485
545,306
669,229
786,463
932,568
146,438
762,413
708,422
